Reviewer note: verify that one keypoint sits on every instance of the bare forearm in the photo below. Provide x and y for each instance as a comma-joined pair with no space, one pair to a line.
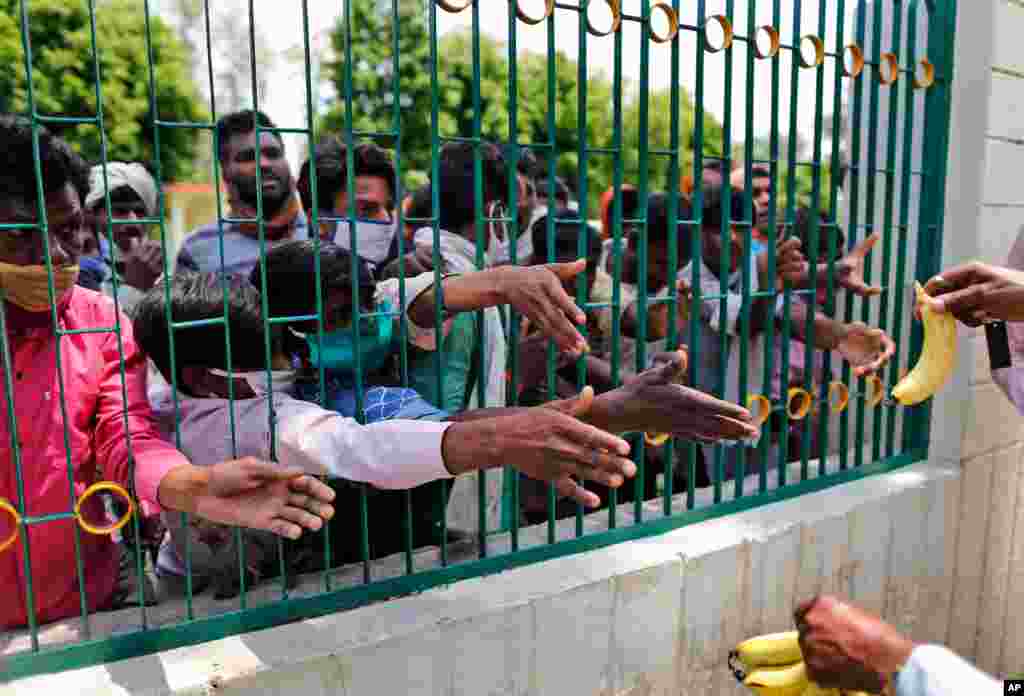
827,331
462,293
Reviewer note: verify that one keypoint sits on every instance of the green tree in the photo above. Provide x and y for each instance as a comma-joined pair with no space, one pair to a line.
372,85
63,78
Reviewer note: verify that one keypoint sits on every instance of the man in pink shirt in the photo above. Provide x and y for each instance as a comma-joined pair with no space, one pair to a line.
76,420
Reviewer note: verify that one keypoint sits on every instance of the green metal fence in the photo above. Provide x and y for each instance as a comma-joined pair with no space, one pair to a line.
898,191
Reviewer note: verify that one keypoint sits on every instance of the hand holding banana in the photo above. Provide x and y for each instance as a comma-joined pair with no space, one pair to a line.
773,665
938,353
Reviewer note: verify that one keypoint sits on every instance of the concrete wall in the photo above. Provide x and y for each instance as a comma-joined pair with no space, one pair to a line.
937,548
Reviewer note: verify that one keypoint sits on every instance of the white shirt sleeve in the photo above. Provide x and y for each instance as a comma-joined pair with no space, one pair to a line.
423,338
389,454
727,323
933,670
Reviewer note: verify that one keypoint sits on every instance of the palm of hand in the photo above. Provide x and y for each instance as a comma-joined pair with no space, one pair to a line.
860,347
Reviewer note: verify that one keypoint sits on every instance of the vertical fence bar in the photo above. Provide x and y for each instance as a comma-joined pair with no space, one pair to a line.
43,226
813,252
671,448
584,159
869,209
549,233
511,473
899,292
890,293
640,223
832,222
791,200
856,172
748,241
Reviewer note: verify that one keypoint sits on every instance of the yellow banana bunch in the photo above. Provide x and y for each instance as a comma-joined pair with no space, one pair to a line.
772,665
790,680
771,650
938,355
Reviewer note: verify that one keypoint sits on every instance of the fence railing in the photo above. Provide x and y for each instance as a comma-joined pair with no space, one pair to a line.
877,165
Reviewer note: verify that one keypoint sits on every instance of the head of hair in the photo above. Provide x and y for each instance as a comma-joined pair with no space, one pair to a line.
239,123
195,297
421,204
658,227
566,238
714,207
291,276
330,159
456,187
528,165
59,165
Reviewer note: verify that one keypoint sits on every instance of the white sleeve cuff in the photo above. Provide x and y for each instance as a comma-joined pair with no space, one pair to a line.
933,670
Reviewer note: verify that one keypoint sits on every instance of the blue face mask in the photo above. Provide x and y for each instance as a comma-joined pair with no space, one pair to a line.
336,351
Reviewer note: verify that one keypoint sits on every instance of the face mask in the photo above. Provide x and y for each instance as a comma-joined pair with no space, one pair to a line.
280,380
373,239
27,286
336,350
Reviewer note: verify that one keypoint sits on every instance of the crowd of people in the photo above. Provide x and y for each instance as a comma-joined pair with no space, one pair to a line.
387,359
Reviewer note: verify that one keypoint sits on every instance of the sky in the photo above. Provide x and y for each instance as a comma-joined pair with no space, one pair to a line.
281,23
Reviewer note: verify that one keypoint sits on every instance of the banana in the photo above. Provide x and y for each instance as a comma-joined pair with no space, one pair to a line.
771,650
938,355
778,681
815,690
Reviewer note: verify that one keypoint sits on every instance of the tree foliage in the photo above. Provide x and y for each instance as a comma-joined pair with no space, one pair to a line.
372,71
64,78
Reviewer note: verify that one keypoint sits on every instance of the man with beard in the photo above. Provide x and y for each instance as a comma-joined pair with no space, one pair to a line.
283,218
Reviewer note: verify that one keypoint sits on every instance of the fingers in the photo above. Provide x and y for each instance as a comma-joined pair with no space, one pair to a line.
855,284
311,487
305,502
283,528
302,518
568,271
965,301
862,249
801,611
567,488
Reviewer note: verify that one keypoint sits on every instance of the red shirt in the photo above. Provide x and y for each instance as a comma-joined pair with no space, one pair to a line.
98,446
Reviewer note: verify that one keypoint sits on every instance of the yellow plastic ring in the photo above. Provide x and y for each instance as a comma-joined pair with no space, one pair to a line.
819,51
656,439
927,78
877,391
774,42
673,23
453,6
96,488
524,16
856,56
838,397
727,33
760,407
613,5
13,512
890,61
803,401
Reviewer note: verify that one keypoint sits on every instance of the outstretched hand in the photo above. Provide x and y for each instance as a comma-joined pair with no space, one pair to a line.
538,293
866,349
263,495
850,269
655,401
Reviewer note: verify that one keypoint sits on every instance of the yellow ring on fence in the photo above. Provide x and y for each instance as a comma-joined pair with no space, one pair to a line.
96,488
656,439
549,9
13,512
727,32
819,51
673,23
613,5
453,6
893,63
927,79
877,391
803,400
838,397
763,407
773,39
856,58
